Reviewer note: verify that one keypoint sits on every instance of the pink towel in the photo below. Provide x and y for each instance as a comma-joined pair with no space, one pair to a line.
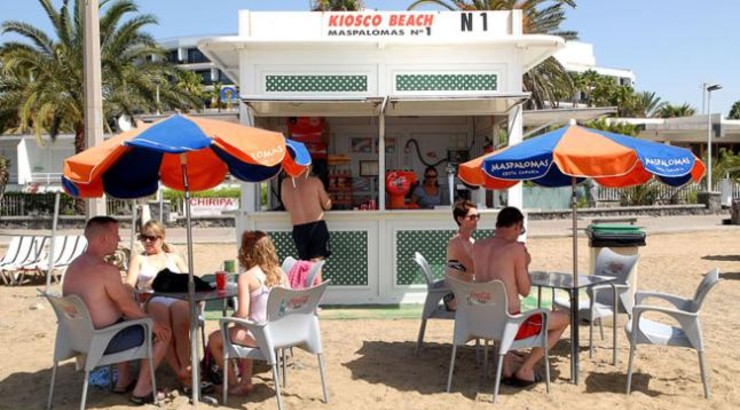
299,273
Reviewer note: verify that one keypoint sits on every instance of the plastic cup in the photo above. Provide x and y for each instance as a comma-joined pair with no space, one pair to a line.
229,265
221,281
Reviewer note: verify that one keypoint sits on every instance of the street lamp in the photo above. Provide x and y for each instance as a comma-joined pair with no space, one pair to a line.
709,89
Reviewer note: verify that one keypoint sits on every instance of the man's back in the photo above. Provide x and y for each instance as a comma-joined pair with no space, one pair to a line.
504,260
306,200
86,277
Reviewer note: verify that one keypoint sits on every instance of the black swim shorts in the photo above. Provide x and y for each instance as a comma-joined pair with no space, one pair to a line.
312,240
125,339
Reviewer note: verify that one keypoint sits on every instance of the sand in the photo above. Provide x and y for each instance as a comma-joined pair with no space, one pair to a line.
370,362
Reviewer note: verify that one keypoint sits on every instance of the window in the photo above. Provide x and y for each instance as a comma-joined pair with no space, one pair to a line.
195,56
172,56
224,79
206,76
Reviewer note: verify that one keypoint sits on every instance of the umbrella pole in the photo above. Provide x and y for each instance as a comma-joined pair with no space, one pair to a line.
50,265
191,287
574,213
574,303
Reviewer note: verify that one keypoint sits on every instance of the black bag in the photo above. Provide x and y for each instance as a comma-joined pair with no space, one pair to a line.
168,281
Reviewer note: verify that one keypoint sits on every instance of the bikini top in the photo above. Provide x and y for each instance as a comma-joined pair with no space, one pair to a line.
147,271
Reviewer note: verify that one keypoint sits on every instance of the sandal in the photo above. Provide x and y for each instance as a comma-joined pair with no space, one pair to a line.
126,389
521,383
148,399
205,388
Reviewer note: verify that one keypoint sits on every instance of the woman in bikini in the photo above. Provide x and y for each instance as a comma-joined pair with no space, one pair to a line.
262,272
460,247
170,312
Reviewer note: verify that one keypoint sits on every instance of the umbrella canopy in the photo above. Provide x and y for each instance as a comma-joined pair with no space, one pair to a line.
131,164
553,159
186,154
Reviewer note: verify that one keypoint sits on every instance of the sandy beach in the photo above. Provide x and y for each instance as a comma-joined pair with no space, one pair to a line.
371,362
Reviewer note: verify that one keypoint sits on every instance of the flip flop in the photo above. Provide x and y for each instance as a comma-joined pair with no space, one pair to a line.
521,383
148,399
205,388
126,389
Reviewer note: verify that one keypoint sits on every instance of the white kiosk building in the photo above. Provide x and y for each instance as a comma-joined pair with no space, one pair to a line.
448,81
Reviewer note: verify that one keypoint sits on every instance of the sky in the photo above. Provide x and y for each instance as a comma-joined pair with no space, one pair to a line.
672,46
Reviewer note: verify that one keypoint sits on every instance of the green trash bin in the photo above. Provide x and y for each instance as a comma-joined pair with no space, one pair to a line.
624,239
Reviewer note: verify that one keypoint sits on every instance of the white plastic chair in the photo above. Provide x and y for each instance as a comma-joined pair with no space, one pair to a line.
78,338
483,313
289,261
291,321
436,290
600,302
684,330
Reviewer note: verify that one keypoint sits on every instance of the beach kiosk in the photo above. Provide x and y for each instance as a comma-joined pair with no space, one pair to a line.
373,93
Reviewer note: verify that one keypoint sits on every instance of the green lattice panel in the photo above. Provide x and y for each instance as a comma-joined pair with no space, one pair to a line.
347,265
316,83
432,245
446,82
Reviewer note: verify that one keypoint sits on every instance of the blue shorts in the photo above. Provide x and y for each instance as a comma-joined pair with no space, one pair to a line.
125,339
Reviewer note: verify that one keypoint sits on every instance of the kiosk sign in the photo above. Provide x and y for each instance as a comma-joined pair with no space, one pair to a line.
422,24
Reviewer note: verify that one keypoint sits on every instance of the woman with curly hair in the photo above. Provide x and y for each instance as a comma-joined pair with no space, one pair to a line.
261,272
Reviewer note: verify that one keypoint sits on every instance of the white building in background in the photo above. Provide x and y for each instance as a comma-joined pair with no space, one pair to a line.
578,57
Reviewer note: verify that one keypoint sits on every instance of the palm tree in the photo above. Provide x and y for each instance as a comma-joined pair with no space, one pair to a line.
4,175
43,75
734,111
672,111
338,5
649,104
548,82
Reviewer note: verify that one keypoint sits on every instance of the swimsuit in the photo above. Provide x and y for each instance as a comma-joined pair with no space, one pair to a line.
147,273
531,327
312,240
125,339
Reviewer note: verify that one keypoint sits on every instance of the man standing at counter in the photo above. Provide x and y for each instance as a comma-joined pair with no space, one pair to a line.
305,198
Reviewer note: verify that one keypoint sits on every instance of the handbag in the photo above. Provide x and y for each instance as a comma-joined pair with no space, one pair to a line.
168,281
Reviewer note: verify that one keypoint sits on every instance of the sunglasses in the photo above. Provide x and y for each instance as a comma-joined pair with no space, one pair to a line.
430,176
148,238
474,217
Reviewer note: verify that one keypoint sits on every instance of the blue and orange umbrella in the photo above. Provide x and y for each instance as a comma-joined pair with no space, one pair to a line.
556,158
569,155
187,154
131,164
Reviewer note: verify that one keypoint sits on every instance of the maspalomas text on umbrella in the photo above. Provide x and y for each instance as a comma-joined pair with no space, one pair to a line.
269,153
671,162
502,166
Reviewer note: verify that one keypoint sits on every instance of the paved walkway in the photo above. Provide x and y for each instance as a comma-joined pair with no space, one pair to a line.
536,229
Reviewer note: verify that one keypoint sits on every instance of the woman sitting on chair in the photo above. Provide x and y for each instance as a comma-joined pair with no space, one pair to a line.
170,312
262,272
460,247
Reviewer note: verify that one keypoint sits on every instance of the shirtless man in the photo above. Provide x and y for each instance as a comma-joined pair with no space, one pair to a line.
98,283
502,257
306,200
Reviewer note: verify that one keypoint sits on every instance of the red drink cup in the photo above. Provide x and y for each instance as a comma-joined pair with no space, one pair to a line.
221,281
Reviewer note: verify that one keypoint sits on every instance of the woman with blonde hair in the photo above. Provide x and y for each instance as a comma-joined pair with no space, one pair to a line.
261,272
173,313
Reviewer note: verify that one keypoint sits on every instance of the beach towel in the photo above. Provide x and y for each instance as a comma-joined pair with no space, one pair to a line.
299,273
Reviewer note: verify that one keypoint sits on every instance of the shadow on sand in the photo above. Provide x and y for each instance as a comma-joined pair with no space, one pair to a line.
377,365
